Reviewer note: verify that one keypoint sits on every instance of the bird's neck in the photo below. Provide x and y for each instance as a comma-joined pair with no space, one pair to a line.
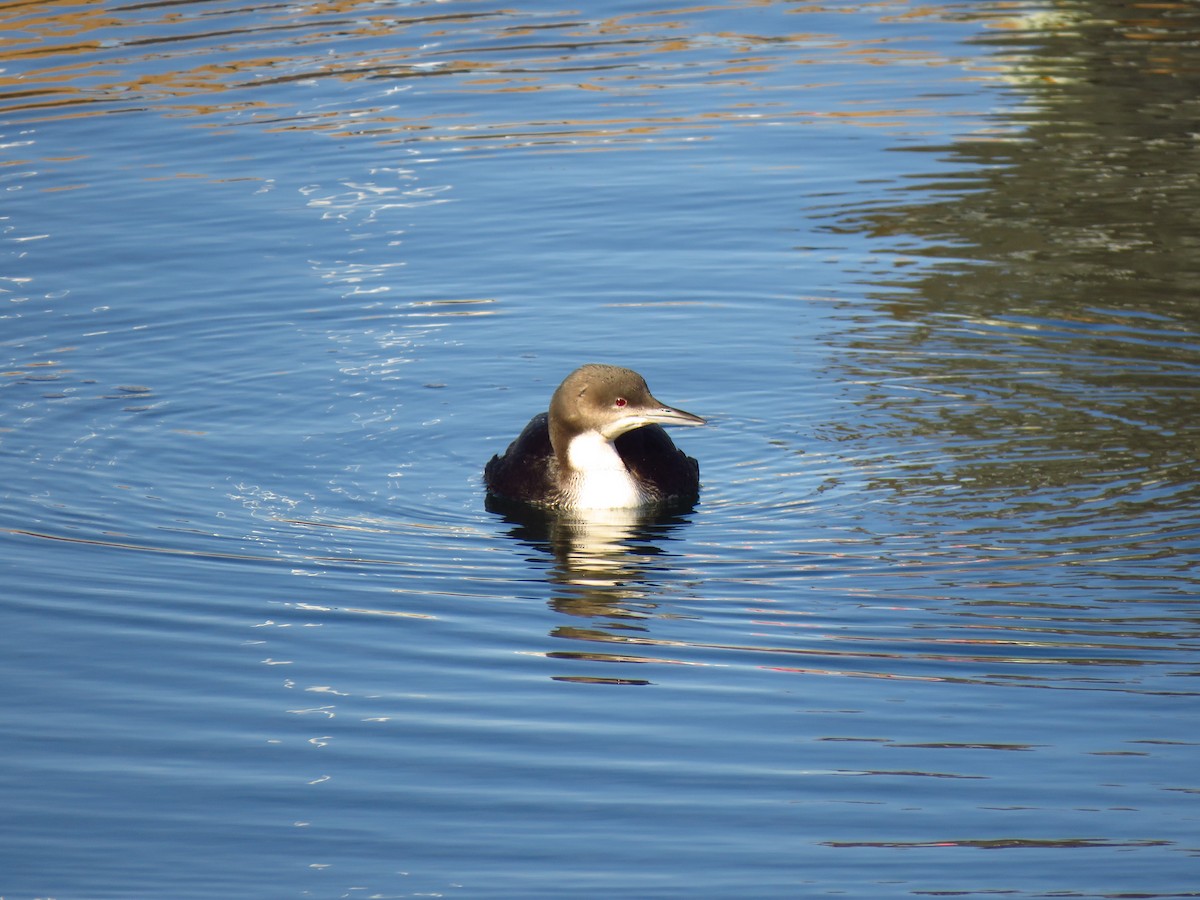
594,475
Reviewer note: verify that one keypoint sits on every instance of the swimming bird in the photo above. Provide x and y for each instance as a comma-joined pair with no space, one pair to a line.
600,446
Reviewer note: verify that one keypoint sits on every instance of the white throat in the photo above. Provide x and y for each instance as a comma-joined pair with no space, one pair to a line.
598,479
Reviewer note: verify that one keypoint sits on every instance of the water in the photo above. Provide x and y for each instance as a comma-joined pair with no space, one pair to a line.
279,279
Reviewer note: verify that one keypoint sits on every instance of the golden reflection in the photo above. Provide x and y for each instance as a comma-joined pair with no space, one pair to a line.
187,58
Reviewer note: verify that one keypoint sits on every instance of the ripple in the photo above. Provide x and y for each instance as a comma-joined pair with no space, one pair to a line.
231,62
284,277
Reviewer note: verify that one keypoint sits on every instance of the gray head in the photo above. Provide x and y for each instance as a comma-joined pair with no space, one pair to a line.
609,400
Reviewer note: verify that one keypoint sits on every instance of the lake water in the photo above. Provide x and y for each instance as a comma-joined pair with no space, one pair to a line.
279,278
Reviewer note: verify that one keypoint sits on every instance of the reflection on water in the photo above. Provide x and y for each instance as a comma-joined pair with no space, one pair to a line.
563,77
610,566
606,551
1050,352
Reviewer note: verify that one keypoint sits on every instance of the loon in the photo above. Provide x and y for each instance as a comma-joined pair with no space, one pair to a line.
600,446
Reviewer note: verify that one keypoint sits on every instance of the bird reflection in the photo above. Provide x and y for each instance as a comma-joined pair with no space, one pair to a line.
604,560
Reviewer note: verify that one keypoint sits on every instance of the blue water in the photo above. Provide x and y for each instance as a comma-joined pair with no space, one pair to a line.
279,279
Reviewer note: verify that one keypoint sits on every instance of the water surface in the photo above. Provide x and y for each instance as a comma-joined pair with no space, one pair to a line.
277,281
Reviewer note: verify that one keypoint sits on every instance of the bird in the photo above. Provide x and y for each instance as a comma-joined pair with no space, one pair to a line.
600,445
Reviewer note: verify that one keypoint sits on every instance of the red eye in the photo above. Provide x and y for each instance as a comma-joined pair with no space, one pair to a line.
620,402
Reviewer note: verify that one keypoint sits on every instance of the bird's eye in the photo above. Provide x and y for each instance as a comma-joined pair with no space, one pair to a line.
620,402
